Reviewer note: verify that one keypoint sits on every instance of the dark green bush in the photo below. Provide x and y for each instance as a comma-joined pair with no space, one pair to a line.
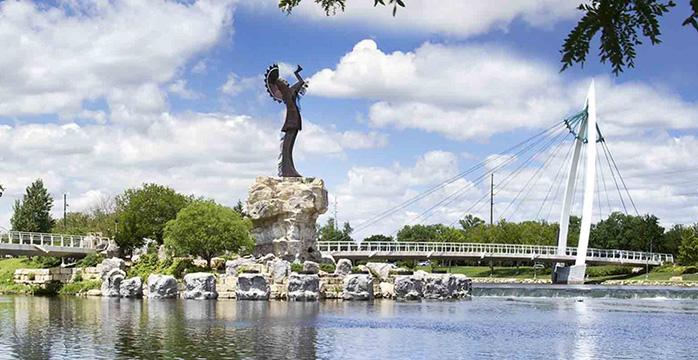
608,270
48,289
181,267
690,270
296,267
407,264
46,262
91,260
326,267
146,265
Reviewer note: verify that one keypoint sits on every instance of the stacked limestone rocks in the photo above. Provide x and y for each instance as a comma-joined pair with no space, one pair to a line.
252,286
432,286
111,282
200,286
284,212
162,287
303,287
272,278
131,288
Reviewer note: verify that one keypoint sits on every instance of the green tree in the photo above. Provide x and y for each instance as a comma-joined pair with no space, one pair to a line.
688,251
626,232
206,229
617,22
417,233
671,240
33,212
470,221
379,238
240,209
143,213
330,232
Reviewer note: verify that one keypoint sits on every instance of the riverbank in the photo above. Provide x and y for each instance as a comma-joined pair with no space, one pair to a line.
603,275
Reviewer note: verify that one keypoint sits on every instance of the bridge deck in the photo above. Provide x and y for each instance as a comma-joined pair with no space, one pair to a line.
473,251
18,243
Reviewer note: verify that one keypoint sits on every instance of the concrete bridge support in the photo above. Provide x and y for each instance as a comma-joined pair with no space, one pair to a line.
587,134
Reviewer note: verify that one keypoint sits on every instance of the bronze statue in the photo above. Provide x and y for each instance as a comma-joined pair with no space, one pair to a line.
280,91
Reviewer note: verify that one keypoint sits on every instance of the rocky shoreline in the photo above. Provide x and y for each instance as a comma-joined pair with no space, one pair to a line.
270,278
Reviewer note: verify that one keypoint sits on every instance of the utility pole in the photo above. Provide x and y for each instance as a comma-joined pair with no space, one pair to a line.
336,221
492,199
65,212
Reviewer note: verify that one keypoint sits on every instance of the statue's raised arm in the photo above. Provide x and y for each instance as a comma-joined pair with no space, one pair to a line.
299,86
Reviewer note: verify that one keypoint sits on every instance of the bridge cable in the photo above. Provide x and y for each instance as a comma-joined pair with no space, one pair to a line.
605,145
533,179
511,176
556,199
615,181
456,194
507,178
443,184
555,179
605,189
453,196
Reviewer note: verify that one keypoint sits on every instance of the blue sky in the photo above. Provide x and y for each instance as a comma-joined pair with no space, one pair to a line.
137,91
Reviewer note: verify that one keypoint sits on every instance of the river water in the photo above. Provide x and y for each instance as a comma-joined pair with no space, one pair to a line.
504,326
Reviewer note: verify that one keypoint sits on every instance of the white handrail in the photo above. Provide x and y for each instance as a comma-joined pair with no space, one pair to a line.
48,239
490,249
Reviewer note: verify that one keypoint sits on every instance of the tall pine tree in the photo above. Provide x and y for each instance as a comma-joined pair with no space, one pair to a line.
33,212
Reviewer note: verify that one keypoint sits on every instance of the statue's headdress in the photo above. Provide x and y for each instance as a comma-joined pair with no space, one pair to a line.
270,78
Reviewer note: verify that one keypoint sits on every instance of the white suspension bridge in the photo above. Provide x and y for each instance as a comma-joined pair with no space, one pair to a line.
570,261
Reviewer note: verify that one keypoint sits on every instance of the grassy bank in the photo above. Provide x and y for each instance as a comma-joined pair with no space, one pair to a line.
7,271
522,272
596,274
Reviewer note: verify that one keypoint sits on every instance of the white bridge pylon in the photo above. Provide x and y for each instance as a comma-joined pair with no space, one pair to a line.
586,136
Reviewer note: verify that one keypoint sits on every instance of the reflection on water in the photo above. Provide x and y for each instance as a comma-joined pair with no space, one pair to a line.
484,327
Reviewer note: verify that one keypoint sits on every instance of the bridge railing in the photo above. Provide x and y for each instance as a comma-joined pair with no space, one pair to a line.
490,249
48,239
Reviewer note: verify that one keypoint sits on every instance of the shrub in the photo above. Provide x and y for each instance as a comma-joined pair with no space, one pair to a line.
46,262
91,260
357,270
296,267
327,267
181,267
78,277
689,270
48,289
78,287
406,264
146,265
609,270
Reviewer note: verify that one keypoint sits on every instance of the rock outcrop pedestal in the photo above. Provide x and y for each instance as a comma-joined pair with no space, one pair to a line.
284,212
